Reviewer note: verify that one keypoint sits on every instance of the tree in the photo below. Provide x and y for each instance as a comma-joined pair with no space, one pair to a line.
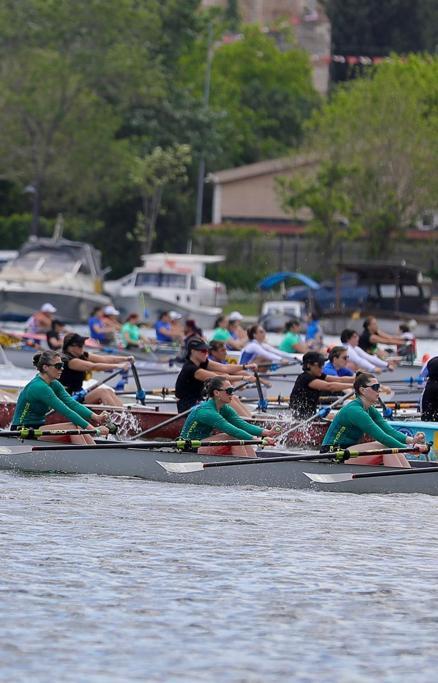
326,195
262,95
151,174
385,130
69,73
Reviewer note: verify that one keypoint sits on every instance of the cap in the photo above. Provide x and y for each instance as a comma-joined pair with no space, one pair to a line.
48,308
173,315
110,310
313,357
432,368
73,339
197,345
235,315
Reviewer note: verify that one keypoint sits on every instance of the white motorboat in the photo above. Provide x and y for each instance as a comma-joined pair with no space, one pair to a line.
170,282
66,273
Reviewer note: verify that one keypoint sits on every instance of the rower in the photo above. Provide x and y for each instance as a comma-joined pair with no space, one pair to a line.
292,341
371,336
336,365
257,350
360,418
79,362
131,333
198,368
45,392
55,334
168,328
100,330
429,399
222,333
41,321
216,414
358,359
311,383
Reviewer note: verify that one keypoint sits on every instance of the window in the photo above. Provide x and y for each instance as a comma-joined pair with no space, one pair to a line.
173,280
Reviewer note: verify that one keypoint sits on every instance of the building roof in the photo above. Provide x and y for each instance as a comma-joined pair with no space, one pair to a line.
269,167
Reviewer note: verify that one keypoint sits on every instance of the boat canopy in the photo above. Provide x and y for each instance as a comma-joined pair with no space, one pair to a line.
384,272
277,278
56,255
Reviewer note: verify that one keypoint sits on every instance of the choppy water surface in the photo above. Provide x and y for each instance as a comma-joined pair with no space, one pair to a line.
124,580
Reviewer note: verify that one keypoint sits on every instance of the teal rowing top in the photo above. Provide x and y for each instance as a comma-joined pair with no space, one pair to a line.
204,418
38,397
353,421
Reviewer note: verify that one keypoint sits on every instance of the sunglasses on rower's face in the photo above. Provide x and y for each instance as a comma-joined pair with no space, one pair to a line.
374,387
58,366
228,390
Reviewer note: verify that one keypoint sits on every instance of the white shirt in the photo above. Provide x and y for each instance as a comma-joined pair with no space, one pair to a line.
364,360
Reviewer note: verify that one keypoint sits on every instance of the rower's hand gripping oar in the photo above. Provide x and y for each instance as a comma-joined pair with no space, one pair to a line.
80,395
338,456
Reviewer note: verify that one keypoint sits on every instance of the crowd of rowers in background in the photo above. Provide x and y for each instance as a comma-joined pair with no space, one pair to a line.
351,366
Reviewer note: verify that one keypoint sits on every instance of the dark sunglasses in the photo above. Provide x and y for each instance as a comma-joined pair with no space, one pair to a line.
58,366
374,387
202,350
228,390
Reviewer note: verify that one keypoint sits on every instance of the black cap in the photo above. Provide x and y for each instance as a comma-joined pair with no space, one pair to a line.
73,339
313,357
197,345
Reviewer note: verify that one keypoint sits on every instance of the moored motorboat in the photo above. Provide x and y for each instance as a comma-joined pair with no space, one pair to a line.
134,462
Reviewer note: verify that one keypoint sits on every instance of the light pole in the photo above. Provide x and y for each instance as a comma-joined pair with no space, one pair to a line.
206,99
33,192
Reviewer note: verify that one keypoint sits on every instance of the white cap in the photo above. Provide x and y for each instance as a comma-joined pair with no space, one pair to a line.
173,315
235,315
110,310
48,308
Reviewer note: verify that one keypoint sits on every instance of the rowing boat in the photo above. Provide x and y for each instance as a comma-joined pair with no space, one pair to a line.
128,462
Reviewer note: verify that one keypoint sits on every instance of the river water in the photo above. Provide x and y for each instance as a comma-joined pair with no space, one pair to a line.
116,580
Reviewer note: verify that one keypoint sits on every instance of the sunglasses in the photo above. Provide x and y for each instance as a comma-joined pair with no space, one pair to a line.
374,387
228,390
58,366
202,350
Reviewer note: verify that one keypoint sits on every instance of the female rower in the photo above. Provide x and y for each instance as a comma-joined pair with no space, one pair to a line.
197,369
45,392
222,333
311,383
372,336
358,359
217,414
257,350
360,418
79,362
336,365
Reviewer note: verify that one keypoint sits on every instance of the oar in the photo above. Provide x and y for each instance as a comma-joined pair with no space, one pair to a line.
322,412
31,432
80,395
263,404
387,412
140,395
348,476
338,456
180,444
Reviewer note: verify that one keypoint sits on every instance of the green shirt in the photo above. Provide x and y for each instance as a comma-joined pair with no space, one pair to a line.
205,417
289,342
353,421
38,397
133,333
219,334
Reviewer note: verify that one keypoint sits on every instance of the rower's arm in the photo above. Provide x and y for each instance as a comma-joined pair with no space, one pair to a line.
323,385
372,428
216,421
235,419
383,424
85,365
51,397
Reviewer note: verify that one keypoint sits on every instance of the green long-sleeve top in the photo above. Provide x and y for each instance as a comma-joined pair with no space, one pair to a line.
353,421
204,418
38,397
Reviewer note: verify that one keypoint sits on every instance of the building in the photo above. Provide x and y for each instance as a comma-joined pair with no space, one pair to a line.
248,194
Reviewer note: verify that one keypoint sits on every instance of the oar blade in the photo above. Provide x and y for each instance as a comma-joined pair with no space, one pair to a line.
15,450
329,478
181,467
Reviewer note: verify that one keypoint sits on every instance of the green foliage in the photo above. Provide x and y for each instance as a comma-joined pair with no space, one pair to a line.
151,174
326,195
264,95
385,129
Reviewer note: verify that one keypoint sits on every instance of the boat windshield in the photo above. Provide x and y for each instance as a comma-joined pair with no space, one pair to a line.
47,260
171,280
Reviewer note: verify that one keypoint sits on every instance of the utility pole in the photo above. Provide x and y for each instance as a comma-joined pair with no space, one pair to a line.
205,101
